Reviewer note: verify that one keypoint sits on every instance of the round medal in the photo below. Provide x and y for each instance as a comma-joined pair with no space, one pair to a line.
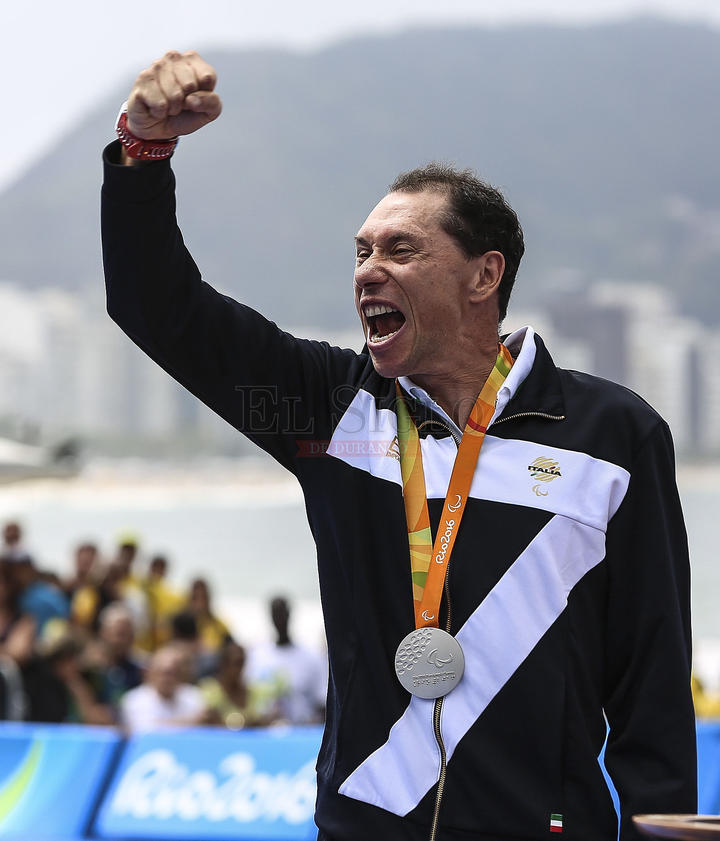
429,663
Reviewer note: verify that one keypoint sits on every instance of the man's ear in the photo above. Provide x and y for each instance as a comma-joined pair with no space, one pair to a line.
487,277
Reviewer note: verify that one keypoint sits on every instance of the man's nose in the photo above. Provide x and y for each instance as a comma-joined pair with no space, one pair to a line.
370,272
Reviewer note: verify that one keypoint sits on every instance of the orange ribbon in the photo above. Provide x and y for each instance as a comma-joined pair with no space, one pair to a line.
429,562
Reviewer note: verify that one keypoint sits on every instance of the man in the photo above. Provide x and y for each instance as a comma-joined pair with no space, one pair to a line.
118,668
12,542
55,681
295,668
131,590
553,562
86,561
39,598
164,601
164,700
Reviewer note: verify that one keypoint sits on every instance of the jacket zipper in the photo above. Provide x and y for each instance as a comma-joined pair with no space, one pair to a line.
437,713
456,439
437,708
529,415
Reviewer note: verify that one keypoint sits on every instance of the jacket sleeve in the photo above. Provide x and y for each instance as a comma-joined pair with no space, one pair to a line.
651,748
271,386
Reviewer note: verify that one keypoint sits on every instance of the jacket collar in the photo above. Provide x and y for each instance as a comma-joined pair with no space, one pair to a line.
533,384
541,389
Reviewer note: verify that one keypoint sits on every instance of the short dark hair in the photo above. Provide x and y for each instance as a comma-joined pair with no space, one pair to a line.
478,217
184,626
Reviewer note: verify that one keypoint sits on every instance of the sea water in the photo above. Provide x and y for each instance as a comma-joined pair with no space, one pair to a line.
242,526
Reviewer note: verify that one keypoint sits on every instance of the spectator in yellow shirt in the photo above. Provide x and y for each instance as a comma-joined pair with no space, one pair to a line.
212,631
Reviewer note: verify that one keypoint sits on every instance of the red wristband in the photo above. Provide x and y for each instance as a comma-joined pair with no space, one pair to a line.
143,150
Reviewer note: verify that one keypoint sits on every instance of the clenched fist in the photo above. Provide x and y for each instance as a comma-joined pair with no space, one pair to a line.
174,96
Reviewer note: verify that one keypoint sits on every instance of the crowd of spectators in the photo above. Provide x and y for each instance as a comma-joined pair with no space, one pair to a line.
116,644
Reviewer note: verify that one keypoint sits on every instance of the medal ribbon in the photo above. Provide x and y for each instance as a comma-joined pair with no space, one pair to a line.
428,562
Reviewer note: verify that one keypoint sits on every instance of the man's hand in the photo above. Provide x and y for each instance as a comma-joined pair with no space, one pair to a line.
174,96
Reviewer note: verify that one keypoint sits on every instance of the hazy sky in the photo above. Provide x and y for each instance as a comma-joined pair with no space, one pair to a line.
60,58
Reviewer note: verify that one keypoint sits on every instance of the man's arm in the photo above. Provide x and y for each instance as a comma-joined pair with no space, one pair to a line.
651,752
268,384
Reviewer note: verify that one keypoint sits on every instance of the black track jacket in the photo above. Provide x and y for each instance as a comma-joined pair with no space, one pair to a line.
570,595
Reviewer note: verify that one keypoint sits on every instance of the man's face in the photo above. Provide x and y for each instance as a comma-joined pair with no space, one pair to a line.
165,673
280,614
119,635
125,557
412,282
12,534
85,557
200,597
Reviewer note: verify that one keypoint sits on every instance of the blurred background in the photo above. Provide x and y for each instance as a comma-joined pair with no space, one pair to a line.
598,120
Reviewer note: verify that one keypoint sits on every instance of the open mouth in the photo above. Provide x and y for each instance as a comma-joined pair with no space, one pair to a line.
383,322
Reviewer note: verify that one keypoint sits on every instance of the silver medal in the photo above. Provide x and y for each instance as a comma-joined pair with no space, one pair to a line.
429,663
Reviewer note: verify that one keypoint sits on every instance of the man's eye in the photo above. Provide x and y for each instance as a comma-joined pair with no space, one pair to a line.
360,256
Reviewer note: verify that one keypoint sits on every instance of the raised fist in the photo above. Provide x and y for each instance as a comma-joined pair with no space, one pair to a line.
174,96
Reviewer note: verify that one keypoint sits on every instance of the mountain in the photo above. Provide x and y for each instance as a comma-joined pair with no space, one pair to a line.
604,138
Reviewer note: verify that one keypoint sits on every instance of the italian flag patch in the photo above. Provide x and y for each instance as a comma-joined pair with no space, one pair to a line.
556,822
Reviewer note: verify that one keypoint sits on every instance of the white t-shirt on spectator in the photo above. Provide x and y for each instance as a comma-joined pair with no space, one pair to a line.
300,670
144,708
